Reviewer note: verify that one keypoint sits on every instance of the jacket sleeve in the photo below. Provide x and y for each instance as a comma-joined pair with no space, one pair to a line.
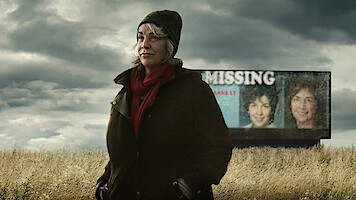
105,177
214,148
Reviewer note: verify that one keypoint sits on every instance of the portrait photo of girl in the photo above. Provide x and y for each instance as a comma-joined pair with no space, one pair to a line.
260,102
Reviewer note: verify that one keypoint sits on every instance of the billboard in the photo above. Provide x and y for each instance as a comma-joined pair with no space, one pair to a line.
273,106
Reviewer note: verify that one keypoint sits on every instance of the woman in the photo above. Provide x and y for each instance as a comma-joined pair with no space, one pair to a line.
166,136
260,102
304,104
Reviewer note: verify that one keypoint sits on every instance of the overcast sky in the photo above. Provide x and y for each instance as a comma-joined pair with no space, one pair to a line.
58,57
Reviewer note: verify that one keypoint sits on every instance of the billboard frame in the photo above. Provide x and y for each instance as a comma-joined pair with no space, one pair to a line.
241,137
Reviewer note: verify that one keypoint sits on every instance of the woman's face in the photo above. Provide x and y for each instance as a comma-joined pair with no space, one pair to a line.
303,108
151,48
259,112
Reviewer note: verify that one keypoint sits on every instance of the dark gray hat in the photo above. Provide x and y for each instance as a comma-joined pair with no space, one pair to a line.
170,21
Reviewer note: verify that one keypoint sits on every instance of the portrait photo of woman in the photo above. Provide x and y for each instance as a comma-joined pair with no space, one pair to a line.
260,102
305,104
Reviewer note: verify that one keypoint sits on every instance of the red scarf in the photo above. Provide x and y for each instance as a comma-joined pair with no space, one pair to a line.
149,85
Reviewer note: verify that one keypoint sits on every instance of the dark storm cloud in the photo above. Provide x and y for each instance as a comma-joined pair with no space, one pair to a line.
65,79
343,109
222,32
252,34
47,96
42,30
28,10
62,41
252,43
57,82
319,20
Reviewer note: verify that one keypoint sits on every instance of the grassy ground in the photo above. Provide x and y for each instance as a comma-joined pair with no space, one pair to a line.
254,173
280,173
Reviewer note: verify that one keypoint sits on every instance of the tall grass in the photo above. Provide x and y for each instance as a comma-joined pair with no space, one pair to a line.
294,173
60,174
254,173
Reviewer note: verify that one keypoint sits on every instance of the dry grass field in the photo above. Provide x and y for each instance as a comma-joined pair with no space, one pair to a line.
254,173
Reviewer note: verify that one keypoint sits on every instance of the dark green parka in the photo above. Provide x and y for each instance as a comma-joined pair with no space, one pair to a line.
183,135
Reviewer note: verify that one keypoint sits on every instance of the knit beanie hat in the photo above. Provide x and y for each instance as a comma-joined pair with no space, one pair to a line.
170,21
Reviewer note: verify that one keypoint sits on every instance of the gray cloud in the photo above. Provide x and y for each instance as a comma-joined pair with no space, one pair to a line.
23,127
245,41
57,60
323,21
65,79
343,109
95,126
62,41
26,11
47,96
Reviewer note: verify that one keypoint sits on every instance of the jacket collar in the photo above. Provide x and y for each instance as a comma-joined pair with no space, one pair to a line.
124,77
123,99
179,72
